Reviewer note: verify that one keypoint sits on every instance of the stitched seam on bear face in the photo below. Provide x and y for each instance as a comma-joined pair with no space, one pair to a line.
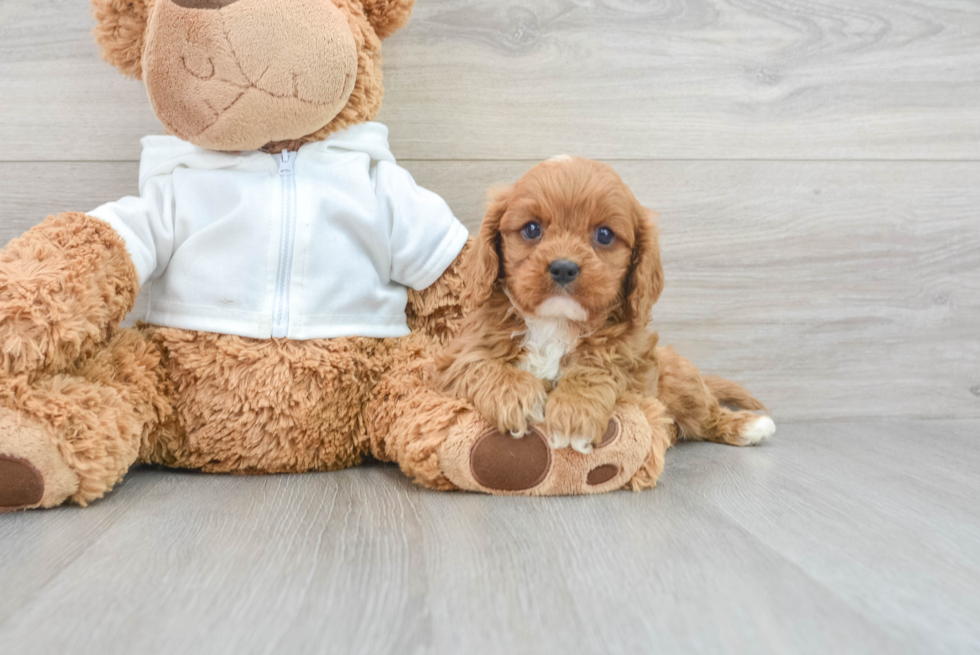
252,85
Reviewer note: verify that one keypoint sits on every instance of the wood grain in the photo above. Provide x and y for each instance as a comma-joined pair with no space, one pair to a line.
819,541
815,167
831,289
613,79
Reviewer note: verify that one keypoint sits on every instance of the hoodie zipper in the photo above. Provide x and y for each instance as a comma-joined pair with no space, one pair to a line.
287,177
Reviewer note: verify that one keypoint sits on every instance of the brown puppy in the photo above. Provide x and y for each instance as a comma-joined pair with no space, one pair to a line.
559,290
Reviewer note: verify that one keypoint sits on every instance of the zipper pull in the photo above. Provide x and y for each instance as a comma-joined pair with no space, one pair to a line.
285,164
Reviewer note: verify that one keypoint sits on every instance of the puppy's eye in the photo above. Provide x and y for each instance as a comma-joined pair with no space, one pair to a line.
531,231
604,236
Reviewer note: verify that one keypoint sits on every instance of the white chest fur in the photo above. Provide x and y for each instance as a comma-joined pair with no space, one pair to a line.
546,341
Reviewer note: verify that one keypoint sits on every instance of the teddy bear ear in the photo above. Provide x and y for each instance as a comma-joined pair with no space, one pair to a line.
119,31
387,16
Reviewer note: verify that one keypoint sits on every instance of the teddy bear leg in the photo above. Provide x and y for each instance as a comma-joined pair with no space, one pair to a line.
406,423
663,435
477,457
74,435
32,471
442,443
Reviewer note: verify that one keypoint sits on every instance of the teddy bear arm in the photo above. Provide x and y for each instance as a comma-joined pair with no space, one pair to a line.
437,311
65,286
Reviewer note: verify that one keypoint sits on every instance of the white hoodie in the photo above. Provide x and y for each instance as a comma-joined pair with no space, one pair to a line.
316,244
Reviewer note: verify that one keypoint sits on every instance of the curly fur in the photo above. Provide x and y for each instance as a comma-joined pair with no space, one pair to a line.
406,420
106,398
53,309
103,398
98,410
120,31
696,410
610,354
663,438
82,400
110,398
508,283
254,405
388,16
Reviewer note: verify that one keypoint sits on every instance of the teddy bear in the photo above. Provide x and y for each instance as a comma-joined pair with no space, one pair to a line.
299,282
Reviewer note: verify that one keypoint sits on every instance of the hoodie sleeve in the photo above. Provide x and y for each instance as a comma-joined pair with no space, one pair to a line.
146,224
425,237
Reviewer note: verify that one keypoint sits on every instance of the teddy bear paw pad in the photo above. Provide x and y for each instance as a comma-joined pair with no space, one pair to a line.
601,474
21,484
477,457
611,433
503,463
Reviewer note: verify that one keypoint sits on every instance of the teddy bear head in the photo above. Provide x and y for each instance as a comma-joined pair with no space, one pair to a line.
248,74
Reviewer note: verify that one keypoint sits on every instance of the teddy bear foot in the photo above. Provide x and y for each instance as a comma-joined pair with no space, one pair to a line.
32,471
21,484
477,457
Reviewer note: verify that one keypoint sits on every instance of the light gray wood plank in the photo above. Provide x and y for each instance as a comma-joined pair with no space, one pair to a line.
837,79
831,289
58,100
724,593
826,539
841,496
35,553
527,79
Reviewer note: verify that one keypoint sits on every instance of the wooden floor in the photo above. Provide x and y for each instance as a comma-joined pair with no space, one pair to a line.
816,168
838,537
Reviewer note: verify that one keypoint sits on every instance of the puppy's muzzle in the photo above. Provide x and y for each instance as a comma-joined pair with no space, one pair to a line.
563,271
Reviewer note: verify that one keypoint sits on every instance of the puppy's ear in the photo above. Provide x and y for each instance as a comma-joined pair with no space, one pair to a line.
387,16
120,31
482,267
645,280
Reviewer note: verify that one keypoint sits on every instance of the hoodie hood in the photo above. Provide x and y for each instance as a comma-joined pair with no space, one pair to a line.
162,155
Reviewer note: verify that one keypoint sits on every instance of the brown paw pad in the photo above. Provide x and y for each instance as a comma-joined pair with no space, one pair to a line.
21,484
502,463
602,474
611,433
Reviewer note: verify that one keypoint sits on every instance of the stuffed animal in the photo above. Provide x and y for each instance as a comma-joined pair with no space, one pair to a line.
299,281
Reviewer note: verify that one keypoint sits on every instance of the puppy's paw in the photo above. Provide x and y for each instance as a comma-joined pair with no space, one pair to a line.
756,431
571,425
516,407
559,440
533,414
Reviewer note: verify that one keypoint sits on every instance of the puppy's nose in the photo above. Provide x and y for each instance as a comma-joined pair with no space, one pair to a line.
563,271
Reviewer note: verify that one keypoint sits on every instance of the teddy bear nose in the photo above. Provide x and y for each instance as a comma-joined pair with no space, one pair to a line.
563,271
203,4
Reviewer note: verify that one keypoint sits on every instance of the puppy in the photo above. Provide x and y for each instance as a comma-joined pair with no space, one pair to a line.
559,288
